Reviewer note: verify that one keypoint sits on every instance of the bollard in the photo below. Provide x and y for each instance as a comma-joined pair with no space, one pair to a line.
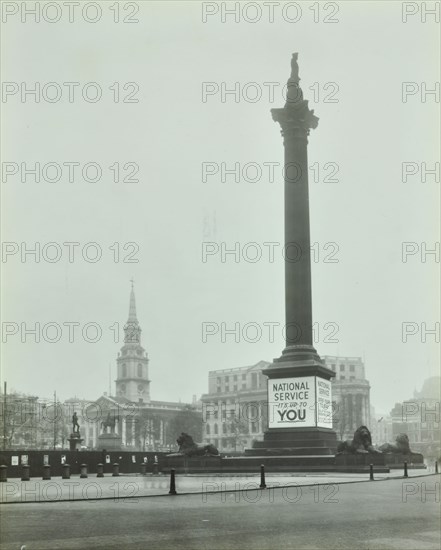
172,483
46,471
99,470
25,472
436,466
83,471
405,469
262,477
371,472
115,469
3,473
65,471
143,468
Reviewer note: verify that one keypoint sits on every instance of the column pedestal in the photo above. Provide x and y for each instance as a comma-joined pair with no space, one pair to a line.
299,410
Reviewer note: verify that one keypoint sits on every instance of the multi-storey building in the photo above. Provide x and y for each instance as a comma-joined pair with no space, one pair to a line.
235,407
350,395
419,418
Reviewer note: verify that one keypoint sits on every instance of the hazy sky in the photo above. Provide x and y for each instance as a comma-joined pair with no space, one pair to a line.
352,71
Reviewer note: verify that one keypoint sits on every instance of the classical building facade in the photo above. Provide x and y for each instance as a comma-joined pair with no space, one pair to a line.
350,395
419,418
131,420
235,408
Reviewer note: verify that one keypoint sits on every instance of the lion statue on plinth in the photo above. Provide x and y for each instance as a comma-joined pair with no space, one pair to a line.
187,447
401,446
361,443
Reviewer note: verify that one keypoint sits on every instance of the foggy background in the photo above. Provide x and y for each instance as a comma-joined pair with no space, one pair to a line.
369,212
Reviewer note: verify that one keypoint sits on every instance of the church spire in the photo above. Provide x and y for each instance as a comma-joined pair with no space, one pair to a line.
132,330
132,307
132,363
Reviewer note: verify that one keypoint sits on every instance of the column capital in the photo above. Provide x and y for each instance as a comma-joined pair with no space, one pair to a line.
295,121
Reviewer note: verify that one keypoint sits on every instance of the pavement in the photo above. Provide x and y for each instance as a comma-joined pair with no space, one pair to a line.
137,486
388,514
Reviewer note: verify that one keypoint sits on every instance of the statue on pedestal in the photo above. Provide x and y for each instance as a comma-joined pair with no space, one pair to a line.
188,447
361,443
75,438
109,422
75,425
401,446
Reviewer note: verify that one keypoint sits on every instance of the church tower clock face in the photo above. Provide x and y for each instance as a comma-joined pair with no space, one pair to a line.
140,388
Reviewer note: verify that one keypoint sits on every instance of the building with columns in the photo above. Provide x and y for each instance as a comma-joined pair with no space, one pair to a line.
130,419
234,410
350,395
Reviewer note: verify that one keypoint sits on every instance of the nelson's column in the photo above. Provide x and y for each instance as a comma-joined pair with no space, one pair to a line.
299,384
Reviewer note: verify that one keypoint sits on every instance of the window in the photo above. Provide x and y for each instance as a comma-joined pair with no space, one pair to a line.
244,376
352,378
227,388
207,429
215,415
333,367
235,378
139,370
244,386
124,371
218,380
342,377
215,429
224,428
224,414
235,388
342,367
218,389
254,380
352,368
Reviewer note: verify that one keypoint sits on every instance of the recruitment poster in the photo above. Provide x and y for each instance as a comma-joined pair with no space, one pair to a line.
291,402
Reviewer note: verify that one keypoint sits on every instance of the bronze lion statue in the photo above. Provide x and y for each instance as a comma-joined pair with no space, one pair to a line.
361,443
401,445
187,447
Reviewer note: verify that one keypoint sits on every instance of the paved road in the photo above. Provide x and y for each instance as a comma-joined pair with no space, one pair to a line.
125,486
392,514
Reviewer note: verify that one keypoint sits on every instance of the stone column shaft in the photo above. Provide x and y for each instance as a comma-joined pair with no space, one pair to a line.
296,120
298,303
